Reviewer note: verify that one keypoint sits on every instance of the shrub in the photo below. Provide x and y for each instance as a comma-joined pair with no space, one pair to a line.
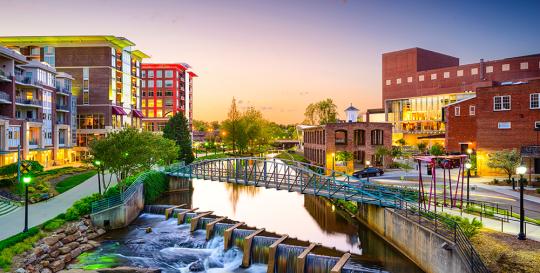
469,227
53,224
538,191
7,253
81,207
155,184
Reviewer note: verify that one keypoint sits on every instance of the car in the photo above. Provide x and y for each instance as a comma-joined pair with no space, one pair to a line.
370,171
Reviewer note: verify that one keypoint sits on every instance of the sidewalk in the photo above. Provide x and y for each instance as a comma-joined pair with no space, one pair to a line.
13,223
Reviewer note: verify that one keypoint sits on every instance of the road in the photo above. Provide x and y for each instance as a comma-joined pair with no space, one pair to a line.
13,223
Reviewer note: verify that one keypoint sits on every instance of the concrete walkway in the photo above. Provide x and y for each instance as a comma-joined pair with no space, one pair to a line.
13,223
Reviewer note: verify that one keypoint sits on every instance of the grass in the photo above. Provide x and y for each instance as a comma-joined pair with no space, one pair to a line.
73,181
212,156
504,253
7,254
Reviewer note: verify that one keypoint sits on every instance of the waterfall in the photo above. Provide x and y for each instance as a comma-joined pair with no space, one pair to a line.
189,215
319,263
156,209
353,267
238,236
219,229
176,211
286,258
201,224
260,248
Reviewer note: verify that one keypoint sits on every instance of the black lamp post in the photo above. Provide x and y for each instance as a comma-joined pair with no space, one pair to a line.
26,180
521,170
468,166
97,163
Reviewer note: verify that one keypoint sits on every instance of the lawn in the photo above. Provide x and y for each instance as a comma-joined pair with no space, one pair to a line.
73,181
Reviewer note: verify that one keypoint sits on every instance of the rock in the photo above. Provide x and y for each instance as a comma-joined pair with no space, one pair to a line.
51,240
196,266
101,232
30,259
60,230
45,263
71,229
73,245
57,265
64,250
94,243
86,247
148,229
125,269
20,270
56,246
83,228
91,235
65,258
45,270
75,252
71,238
54,254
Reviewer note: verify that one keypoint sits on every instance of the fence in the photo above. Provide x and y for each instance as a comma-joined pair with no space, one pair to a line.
118,199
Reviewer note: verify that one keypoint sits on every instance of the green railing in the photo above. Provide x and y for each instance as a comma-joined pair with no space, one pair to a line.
118,199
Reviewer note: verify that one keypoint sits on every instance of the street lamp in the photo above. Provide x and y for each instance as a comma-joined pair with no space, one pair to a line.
468,166
97,163
521,170
206,148
367,166
26,180
469,151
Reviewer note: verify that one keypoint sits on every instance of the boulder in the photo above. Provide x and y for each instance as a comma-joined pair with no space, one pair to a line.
125,269
91,235
30,259
54,254
65,258
197,266
101,232
71,238
45,270
75,252
57,265
93,243
73,245
20,270
71,229
51,240
64,250
85,247
45,263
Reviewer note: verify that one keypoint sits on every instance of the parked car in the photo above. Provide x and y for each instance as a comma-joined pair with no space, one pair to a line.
370,171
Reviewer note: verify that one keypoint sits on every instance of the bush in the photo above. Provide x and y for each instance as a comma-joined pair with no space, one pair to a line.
18,238
469,227
81,207
54,224
155,184
538,191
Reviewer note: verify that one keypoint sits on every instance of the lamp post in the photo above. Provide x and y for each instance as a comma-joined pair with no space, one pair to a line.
468,166
367,166
26,180
521,170
97,163
333,162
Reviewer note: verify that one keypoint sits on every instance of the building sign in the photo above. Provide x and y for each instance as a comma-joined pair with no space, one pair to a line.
530,151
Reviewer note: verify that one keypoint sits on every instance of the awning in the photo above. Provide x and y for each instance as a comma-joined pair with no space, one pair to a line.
117,110
137,114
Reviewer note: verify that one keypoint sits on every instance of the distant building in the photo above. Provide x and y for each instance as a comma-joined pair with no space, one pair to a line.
503,116
418,83
36,111
106,72
166,90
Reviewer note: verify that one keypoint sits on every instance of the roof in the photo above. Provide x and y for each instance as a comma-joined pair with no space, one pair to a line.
119,42
375,111
192,74
351,108
163,66
64,75
12,54
40,65
139,54
460,101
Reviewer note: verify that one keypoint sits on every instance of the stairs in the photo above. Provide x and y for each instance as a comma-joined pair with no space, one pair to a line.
6,207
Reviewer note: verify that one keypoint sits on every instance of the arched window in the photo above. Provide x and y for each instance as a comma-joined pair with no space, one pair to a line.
377,137
359,137
340,137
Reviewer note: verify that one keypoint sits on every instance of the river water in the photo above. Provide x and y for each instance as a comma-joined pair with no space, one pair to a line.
173,248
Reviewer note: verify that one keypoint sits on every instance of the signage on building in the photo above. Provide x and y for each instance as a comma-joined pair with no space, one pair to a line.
530,151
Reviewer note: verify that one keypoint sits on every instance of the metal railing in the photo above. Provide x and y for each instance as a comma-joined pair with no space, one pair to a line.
62,107
118,199
4,96
28,102
63,90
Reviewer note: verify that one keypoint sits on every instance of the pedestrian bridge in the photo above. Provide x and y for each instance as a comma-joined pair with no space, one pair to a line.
292,176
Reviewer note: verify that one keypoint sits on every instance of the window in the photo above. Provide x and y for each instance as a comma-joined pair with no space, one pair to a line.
421,78
159,74
159,83
501,103
48,55
524,65
474,71
377,137
398,81
86,78
446,75
409,79
535,101
151,84
150,73
505,67
143,74
472,110
433,76
159,93
168,93
489,69
388,82
340,136
168,102
168,83
459,73
34,51
143,84
91,121
86,97
457,111
359,137
537,125
168,73
504,125
359,156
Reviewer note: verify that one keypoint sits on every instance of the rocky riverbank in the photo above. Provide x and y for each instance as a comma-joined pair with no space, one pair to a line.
123,269
54,252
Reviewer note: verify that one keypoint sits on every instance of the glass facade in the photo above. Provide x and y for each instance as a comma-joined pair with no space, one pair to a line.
420,115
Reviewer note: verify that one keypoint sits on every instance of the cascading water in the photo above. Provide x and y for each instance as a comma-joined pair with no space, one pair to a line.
319,263
353,267
156,209
201,224
260,248
238,236
219,229
286,257
189,216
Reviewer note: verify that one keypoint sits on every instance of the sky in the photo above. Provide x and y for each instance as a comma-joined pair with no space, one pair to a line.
280,55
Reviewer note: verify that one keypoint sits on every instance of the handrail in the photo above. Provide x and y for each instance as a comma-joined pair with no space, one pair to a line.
118,199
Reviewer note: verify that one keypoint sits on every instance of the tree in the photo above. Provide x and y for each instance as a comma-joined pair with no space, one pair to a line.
199,125
436,149
422,146
344,156
506,160
401,142
232,126
321,112
177,129
130,151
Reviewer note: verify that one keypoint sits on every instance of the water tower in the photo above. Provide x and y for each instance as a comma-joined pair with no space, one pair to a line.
352,114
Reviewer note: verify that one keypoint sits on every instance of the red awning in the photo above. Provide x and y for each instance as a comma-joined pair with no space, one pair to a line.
137,114
117,110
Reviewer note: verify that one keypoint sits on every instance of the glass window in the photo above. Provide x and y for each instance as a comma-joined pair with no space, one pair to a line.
489,69
409,79
398,81
168,102
446,75
524,65
501,103
340,136
457,111
159,93
504,125
168,73
359,137
377,137
150,73
388,82
535,101
169,83
143,74
433,76
168,92
86,97
472,110
474,71
459,73
505,67
159,83
159,74
421,78
151,84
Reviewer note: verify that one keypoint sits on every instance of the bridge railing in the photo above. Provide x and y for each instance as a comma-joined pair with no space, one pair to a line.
118,199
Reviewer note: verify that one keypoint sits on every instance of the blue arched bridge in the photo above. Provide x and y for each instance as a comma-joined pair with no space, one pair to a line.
292,176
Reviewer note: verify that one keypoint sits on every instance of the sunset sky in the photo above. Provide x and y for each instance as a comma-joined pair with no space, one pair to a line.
280,55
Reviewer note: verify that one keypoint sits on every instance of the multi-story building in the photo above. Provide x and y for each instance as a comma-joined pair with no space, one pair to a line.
166,90
35,111
418,83
322,143
106,72
503,116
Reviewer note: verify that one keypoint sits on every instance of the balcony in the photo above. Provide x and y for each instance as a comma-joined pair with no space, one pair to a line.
26,102
5,98
25,80
33,120
63,90
61,122
4,76
63,108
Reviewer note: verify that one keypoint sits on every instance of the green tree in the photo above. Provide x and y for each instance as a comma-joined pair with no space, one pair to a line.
401,142
506,160
321,112
344,156
130,151
436,149
232,126
177,129
422,146
199,125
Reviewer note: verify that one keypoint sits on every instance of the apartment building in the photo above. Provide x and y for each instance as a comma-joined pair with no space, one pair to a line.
417,83
166,90
36,106
499,117
106,79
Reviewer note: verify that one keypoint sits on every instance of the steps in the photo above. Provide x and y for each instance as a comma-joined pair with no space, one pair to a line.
6,207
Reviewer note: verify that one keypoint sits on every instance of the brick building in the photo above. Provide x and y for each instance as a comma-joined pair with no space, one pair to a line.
166,90
36,111
502,116
106,72
418,83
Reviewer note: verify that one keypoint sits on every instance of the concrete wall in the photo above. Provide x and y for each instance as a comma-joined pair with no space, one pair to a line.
419,244
121,215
